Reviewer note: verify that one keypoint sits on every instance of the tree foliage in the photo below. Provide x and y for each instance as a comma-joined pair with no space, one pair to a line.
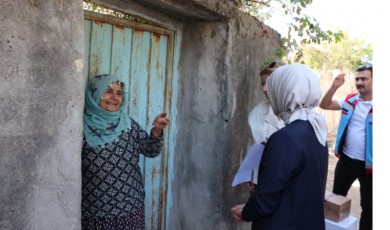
89,5
344,55
302,29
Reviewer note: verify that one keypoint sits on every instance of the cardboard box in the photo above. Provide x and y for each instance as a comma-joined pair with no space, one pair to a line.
349,223
336,207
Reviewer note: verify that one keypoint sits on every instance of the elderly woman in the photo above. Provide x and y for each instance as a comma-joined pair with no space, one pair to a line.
292,174
112,186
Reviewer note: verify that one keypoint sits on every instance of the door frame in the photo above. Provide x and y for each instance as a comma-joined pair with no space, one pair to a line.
165,197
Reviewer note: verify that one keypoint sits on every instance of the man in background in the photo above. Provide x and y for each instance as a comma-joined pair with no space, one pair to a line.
354,139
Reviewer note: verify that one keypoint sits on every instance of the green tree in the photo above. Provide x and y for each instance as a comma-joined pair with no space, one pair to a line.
344,55
303,29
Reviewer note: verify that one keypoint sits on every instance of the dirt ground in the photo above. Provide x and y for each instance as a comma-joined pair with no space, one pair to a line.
353,193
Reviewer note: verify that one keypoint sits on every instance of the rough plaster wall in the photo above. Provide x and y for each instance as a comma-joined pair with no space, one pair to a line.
198,157
192,10
252,43
41,104
219,85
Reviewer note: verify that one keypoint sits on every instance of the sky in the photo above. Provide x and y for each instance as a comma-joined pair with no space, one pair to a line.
367,20
353,16
347,15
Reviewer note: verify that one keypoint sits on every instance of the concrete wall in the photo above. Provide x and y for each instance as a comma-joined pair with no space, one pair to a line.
219,84
217,69
41,105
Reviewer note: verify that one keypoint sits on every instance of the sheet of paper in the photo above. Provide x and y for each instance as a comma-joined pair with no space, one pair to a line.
250,162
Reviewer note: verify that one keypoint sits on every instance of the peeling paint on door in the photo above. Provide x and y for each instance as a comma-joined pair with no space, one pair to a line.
142,55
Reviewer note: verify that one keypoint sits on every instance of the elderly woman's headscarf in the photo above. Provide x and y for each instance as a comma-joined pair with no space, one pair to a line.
102,126
294,91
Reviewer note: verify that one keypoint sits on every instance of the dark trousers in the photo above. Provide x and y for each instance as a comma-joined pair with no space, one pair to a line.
346,172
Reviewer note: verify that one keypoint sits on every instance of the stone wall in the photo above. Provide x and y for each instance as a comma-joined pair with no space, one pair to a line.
41,104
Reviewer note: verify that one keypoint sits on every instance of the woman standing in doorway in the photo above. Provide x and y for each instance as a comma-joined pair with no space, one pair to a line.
112,185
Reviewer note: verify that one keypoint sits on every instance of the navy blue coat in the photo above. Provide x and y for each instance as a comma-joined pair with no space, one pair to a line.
291,182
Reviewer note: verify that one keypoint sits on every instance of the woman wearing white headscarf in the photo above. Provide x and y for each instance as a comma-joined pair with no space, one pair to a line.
292,175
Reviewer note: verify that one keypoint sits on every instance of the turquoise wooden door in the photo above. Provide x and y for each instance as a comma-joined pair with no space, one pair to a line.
142,55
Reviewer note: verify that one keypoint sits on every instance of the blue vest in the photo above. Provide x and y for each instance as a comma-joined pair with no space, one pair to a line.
346,114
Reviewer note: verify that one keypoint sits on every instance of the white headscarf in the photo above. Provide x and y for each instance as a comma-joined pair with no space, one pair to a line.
294,91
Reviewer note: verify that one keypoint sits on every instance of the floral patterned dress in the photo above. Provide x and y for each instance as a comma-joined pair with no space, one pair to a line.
112,185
